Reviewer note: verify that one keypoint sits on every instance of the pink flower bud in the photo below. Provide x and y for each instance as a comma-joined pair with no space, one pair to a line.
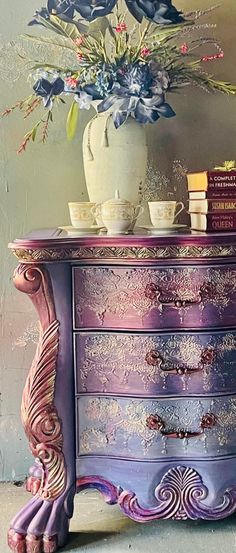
145,52
72,82
184,48
121,27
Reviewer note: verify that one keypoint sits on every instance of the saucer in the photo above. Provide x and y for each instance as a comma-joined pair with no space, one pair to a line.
165,230
74,231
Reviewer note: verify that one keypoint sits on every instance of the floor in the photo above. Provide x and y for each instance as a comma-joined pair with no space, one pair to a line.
97,527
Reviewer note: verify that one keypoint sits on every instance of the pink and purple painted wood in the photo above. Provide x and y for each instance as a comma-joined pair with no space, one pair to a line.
139,334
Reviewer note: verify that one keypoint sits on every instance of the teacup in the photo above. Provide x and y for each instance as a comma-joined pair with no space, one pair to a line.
163,214
81,214
118,217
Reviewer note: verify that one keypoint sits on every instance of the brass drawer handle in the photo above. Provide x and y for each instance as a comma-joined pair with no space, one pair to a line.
155,359
154,422
153,292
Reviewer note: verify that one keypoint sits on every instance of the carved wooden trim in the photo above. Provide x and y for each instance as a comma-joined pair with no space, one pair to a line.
180,495
39,414
130,253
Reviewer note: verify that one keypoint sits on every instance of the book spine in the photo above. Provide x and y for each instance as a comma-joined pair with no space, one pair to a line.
222,205
221,182
221,193
221,221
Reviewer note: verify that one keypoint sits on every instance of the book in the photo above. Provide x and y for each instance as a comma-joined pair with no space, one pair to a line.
213,194
215,184
205,206
213,222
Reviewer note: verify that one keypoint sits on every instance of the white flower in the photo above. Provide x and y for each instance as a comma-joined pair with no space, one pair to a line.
84,100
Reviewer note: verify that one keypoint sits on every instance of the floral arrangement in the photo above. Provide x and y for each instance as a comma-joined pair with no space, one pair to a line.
227,166
128,67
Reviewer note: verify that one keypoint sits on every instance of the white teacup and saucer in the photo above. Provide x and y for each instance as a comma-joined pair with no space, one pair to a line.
163,217
82,219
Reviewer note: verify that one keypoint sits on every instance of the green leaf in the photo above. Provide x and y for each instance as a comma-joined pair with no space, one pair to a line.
69,30
46,66
60,42
34,132
54,24
72,120
99,26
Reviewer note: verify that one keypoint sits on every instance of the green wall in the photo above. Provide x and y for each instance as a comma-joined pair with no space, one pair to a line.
36,186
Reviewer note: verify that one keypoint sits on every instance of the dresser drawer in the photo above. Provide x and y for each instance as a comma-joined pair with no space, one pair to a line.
155,365
154,298
148,429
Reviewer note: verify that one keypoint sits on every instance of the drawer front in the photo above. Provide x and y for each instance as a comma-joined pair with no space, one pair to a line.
148,429
161,364
159,298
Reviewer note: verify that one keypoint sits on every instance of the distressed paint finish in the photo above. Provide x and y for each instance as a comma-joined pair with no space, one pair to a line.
28,195
158,453
120,427
155,364
158,298
142,477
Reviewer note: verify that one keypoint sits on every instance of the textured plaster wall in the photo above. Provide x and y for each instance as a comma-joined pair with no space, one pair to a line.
35,189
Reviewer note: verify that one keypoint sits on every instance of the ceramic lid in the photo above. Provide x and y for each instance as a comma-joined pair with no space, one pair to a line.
117,200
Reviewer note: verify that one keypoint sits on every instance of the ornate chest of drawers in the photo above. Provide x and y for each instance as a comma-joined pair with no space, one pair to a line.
133,387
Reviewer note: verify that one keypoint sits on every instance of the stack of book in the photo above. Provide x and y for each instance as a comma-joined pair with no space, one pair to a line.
212,200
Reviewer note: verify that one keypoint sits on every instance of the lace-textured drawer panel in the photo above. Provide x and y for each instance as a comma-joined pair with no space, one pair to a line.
155,429
155,364
154,298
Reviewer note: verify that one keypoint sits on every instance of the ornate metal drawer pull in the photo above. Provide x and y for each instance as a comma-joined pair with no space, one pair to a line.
153,292
154,422
155,359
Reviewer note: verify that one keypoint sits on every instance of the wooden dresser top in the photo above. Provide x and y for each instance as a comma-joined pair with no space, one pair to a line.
52,245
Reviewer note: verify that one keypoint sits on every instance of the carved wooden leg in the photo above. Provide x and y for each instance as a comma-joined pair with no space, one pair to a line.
42,525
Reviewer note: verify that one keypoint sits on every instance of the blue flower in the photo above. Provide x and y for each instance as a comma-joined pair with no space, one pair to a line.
65,9
89,10
62,8
162,12
138,92
137,79
39,14
48,90
92,90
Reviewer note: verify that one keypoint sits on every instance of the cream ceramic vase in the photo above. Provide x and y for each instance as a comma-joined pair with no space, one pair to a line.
114,158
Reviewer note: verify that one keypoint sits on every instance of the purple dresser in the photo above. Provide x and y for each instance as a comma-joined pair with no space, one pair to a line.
132,390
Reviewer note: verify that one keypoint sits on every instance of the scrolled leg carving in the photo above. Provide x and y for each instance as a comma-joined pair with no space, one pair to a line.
39,415
33,482
42,525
